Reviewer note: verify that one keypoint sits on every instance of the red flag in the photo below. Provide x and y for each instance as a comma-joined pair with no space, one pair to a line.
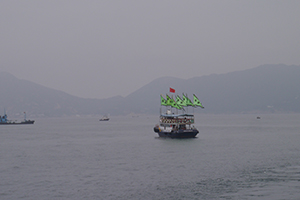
172,90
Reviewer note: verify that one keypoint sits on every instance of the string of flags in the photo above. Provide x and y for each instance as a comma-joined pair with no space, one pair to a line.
179,102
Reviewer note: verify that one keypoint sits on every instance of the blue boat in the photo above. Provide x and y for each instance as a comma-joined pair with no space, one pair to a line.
5,121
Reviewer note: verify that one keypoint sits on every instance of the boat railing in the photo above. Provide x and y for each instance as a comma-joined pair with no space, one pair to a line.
177,120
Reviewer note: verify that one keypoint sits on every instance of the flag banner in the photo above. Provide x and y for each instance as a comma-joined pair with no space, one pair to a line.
197,102
172,90
184,99
187,101
171,102
163,102
179,101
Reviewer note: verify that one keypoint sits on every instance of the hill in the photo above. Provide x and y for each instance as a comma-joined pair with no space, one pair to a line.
267,89
18,96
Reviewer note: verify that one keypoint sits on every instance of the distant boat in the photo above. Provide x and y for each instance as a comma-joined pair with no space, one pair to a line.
104,118
5,121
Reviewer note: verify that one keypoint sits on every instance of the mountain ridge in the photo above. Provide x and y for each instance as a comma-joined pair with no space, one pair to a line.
263,89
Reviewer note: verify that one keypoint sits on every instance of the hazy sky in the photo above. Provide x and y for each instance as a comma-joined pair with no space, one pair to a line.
99,49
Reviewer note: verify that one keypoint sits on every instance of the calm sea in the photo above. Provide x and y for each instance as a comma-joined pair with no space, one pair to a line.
234,157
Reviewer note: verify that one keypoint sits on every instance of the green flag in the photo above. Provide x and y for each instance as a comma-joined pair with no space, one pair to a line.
180,102
171,102
197,102
163,102
187,101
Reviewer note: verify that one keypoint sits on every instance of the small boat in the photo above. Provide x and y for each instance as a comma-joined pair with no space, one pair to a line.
5,121
104,118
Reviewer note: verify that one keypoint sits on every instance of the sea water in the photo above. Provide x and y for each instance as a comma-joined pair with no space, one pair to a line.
233,157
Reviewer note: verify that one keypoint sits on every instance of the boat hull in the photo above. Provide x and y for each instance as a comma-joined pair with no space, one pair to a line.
17,123
189,133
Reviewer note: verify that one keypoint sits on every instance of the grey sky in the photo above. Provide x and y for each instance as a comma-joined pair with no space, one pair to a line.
99,49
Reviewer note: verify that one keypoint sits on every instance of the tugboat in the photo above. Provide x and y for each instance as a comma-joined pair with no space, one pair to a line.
5,121
177,125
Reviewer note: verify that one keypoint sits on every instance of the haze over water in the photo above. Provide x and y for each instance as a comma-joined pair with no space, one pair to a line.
101,49
234,157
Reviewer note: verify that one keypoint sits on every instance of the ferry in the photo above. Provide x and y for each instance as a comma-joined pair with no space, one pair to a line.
177,125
